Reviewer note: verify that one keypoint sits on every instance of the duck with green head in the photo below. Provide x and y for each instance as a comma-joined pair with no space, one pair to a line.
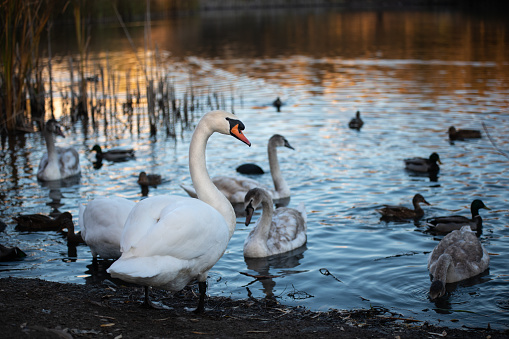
446,224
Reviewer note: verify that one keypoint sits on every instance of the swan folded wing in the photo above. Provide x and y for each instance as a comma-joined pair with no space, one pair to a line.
69,161
288,230
165,232
235,188
468,256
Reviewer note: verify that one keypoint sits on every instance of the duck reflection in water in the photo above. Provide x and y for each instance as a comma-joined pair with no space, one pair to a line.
281,262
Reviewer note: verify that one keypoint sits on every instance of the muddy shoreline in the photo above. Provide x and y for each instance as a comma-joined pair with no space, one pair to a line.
33,308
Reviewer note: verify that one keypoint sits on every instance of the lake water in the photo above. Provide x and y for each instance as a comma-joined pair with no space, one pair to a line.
412,74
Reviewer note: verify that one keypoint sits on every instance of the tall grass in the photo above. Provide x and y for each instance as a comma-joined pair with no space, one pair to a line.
22,24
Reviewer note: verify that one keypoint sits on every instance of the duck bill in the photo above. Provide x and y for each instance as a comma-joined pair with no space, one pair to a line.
237,133
249,214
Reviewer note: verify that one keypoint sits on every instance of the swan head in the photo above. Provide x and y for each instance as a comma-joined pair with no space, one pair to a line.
278,140
434,158
235,129
436,290
418,199
254,197
54,127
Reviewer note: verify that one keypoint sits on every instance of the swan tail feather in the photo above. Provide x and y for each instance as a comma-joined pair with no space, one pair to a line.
152,271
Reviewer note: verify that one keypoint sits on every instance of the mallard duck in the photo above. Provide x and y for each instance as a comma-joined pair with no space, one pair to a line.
462,134
41,222
102,223
277,231
278,103
446,224
356,123
458,256
11,253
235,188
58,163
113,154
401,213
170,240
250,168
145,179
424,165
73,238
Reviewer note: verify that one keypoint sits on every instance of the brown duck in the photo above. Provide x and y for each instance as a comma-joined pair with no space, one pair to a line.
41,222
401,213
462,134
145,179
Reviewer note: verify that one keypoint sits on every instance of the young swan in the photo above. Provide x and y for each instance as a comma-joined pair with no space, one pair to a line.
58,163
235,188
276,231
458,256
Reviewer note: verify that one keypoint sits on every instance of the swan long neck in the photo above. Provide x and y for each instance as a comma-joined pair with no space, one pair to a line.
50,145
280,184
441,268
262,228
205,188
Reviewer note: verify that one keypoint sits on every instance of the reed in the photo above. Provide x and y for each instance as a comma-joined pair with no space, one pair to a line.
22,24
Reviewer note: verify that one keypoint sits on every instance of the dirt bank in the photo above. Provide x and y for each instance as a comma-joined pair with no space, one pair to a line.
33,308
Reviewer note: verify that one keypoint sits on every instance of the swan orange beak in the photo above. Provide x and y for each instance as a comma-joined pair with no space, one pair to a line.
237,133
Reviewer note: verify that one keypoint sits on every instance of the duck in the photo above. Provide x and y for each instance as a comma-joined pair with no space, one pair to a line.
3,226
102,223
458,256
446,224
424,165
58,162
462,134
276,231
41,222
114,154
10,253
401,213
145,179
72,237
236,188
356,123
250,168
170,240
277,103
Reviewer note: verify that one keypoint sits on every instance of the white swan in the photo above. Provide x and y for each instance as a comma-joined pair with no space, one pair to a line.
102,223
58,163
235,188
276,231
170,240
458,256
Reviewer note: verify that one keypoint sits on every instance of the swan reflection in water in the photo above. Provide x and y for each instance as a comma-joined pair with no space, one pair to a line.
282,262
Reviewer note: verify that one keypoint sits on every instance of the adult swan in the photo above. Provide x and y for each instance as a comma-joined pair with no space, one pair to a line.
170,240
